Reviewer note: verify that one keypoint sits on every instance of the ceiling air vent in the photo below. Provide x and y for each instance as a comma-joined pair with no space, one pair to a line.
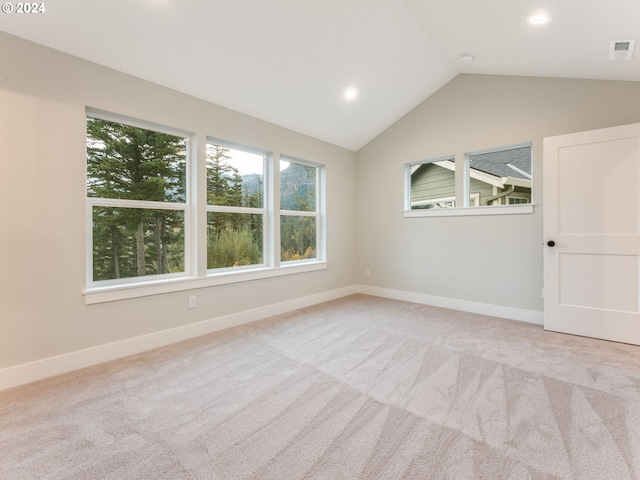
621,49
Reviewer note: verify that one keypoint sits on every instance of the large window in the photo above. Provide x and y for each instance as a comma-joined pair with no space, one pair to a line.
136,190
150,225
489,178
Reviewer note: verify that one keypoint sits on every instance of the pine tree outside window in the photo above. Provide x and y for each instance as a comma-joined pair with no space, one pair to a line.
149,228
136,199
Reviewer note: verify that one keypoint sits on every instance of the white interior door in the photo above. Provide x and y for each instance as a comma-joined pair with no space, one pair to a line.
592,233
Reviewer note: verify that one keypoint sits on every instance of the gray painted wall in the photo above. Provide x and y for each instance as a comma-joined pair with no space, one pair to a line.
489,259
495,260
43,94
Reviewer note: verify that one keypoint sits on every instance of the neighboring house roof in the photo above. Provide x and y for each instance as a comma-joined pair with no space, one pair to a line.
498,168
514,163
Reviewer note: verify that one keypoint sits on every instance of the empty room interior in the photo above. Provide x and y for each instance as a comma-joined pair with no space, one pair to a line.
384,239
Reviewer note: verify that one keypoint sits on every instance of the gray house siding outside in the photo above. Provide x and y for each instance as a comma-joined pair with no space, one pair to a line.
495,172
431,182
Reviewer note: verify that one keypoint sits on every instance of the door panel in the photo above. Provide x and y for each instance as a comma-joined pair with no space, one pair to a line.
592,215
598,193
608,282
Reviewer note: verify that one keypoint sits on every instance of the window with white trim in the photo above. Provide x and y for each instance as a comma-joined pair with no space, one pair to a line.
488,178
136,201
299,206
235,207
432,184
263,213
500,176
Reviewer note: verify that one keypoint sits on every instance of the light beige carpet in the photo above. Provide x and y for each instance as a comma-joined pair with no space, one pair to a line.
359,388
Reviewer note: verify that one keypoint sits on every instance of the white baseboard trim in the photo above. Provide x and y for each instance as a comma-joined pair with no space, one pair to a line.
521,315
49,367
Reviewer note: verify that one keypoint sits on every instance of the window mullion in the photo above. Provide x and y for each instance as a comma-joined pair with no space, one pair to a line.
231,209
407,185
321,219
273,208
116,202
89,241
462,180
298,213
198,202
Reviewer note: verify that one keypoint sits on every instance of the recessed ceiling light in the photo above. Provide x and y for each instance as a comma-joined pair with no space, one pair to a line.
539,19
350,94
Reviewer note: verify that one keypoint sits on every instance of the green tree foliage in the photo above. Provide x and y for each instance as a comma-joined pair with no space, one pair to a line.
131,163
224,184
297,237
234,239
233,247
298,192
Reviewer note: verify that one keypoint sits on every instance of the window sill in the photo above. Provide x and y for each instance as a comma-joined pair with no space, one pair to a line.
471,211
157,287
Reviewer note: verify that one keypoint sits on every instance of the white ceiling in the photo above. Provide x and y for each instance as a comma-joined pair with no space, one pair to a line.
290,61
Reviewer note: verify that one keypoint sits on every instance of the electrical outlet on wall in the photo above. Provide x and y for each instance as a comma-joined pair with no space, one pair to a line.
192,301
366,272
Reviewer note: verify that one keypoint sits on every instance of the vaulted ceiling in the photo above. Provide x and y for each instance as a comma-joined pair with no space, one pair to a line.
290,62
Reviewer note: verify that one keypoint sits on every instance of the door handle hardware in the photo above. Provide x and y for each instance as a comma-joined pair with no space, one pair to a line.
551,243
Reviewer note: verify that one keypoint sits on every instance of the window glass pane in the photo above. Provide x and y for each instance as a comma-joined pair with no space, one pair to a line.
132,163
134,242
297,237
234,177
433,185
234,239
297,186
502,177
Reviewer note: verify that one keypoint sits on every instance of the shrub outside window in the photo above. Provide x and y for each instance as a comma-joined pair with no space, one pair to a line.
235,207
144,222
